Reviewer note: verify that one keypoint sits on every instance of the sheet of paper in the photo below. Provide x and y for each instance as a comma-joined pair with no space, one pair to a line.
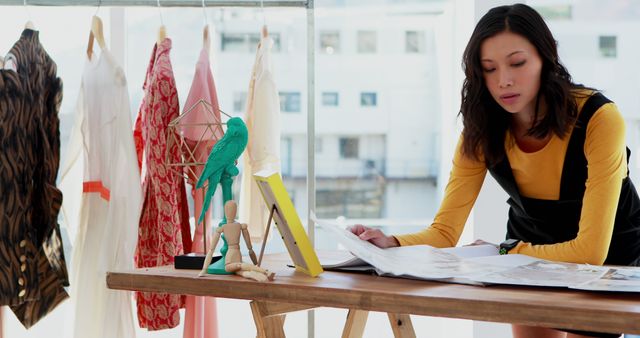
482,265
507,261
615,279
418,261
544,273
343,263
473,251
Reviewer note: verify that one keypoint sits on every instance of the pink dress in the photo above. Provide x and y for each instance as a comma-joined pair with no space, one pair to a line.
201,107
164,223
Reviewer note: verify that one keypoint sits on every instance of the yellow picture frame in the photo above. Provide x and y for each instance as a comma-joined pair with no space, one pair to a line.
289,225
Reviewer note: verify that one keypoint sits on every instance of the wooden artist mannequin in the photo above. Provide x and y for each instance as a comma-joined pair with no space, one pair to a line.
233,258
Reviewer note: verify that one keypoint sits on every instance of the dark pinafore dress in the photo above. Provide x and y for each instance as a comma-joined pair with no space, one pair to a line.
539,221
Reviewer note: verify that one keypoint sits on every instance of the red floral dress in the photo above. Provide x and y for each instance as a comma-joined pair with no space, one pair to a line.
164,222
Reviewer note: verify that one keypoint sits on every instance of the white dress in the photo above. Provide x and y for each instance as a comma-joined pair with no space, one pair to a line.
263,150
101,185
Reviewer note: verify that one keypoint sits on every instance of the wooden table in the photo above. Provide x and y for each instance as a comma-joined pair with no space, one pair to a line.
292,290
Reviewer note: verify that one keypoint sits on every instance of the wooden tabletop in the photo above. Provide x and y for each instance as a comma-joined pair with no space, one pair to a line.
549,307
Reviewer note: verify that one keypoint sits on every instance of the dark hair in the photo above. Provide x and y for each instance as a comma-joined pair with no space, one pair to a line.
485,122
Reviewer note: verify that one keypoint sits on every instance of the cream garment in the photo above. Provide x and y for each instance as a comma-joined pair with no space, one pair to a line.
263,150
100,182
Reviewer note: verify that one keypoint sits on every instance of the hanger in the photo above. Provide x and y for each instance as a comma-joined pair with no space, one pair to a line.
162,31
206,39
96,33
29,24
265,32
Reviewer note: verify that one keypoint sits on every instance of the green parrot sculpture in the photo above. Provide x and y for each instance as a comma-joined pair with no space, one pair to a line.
223,158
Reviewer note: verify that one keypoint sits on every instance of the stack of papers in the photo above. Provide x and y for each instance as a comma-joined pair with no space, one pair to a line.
476,265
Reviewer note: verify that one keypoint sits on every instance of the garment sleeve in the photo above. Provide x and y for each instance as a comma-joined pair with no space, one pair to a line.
605,151
51,198
47,197
126,193
137,137
465,181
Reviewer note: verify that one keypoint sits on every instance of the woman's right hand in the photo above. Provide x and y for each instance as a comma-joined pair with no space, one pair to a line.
374,236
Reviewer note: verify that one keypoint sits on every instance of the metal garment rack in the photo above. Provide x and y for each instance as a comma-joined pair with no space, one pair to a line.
310,7
164,3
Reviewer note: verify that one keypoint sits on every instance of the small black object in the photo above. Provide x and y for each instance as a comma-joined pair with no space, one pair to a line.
508,245
192,261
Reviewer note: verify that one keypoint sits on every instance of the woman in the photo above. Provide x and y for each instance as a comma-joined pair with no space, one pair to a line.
556,147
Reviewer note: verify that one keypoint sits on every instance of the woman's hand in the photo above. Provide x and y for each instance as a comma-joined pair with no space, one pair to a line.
374,236
481,242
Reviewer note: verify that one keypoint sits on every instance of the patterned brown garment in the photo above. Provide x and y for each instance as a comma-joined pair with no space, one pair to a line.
32,265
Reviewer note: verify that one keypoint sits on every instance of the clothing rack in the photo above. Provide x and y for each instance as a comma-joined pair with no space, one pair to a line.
310,8
165,3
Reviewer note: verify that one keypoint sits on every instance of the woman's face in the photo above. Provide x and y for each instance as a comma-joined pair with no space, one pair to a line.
511,67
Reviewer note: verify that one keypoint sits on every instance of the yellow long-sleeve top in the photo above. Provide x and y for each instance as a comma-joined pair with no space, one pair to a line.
538,175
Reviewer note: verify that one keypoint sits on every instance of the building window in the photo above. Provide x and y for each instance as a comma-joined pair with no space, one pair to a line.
415,42
330,99
239,101
555,12
608,46
318,145
329,42
290,102
246,42
348,147
352,203
368,99
367,42
286,156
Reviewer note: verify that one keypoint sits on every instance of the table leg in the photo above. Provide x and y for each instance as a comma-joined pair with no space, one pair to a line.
401,325
269,317
354,326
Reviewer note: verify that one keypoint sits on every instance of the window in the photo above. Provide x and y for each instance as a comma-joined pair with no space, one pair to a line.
290,102
415,42
330,99
318,144
555,12
245,42
329,42
348,147
364,202
368,99
608,46
367,42
285,156
239,102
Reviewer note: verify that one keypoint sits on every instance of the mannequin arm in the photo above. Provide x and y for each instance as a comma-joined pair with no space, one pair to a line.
214,243
247,241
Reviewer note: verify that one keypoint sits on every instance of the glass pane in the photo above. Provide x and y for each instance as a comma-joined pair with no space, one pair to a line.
380,159
239,102
290,102
348,147
330,99
555,12
329,42
235,35
597,46
608,47
367,42
415,42
368,99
